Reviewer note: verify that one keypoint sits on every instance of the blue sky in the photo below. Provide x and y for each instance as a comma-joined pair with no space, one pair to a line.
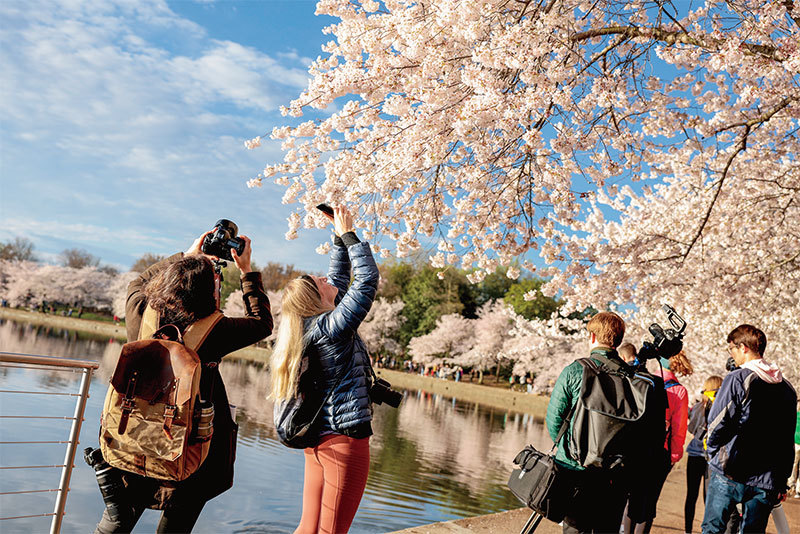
122,122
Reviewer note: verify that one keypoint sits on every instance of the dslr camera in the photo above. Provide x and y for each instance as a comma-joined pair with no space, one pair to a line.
111,486
667,342
222,240
381,391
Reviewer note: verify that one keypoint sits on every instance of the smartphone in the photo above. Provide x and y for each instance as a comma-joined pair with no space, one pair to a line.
324,208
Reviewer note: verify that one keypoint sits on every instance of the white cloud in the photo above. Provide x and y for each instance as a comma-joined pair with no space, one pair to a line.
115,136
233,72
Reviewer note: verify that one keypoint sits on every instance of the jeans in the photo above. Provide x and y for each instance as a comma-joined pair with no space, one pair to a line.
724,494
794,479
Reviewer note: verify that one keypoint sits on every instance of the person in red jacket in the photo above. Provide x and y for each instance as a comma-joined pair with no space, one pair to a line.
677,420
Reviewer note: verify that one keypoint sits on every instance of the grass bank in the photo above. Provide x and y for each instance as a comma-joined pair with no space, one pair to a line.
464,391
495,397
100,328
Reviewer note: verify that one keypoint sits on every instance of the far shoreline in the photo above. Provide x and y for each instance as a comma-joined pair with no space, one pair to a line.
494,397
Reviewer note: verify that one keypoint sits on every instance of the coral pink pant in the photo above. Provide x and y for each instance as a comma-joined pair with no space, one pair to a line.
335,477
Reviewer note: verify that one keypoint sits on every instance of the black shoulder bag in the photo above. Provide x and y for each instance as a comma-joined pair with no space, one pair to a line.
541,484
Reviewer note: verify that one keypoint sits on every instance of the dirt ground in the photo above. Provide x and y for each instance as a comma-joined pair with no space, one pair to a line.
668,521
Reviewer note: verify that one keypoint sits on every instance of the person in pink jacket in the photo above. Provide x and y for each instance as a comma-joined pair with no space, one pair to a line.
678,405
677,421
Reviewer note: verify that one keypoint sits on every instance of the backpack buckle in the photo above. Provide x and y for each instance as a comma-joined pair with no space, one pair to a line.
169,415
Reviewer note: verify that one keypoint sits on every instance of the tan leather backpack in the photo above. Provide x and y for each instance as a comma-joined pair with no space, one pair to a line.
148,421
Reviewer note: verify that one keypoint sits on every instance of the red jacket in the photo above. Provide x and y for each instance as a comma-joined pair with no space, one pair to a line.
677,415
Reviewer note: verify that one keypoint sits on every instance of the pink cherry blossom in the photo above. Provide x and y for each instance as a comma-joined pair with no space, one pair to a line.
646,151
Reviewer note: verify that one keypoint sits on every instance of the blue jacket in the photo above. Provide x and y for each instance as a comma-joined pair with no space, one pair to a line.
751,430
334,335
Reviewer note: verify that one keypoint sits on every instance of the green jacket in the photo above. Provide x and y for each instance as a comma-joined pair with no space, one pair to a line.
797,430
563,398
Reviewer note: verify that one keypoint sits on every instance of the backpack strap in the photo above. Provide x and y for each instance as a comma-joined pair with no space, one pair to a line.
198,331
607,362
671,384
149,323
193,337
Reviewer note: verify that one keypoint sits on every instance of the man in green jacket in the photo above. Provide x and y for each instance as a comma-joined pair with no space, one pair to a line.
600,494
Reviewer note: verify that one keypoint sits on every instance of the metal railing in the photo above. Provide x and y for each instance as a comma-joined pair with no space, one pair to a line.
86,368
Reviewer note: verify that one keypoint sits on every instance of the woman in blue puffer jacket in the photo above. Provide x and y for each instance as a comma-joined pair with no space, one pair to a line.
323,314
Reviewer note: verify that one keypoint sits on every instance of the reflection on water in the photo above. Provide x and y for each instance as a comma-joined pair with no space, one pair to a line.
434,459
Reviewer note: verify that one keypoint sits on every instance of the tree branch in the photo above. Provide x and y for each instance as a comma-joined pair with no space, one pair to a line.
761,118
674,37
740,148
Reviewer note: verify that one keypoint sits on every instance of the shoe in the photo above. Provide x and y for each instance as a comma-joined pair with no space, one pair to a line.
796,495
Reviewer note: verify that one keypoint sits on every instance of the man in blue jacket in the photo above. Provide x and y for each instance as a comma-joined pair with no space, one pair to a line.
750,439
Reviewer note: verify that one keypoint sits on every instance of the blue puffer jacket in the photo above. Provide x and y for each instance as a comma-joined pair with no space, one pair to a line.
334,334
751,428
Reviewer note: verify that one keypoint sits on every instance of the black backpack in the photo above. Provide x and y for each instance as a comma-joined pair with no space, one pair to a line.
609,426
698,422
297,420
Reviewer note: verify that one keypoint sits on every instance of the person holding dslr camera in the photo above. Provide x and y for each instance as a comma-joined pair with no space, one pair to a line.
183,290
319,321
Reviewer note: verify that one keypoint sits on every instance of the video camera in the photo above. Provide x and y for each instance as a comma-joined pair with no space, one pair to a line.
666,342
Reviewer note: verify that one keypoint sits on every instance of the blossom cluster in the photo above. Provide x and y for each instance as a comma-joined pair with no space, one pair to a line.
646,158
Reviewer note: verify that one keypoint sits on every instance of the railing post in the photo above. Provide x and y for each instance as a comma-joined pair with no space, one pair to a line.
69,459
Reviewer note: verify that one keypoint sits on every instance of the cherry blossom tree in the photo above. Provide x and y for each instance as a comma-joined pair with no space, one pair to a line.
491,329
234,307
452,336
646,149
380,326
11,273
32,284
118,292
543,348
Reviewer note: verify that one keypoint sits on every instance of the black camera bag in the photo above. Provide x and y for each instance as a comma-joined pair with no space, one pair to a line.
540,483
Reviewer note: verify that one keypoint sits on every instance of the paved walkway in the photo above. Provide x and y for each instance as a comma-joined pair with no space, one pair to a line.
668,521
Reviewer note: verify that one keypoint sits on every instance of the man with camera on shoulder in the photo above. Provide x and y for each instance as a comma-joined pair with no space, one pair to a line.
598,451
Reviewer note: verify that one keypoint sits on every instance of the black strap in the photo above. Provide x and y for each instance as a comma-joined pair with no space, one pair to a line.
330,393
563,428
608,362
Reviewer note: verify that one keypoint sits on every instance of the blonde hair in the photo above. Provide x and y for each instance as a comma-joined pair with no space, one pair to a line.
680,364
712,383
300,300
